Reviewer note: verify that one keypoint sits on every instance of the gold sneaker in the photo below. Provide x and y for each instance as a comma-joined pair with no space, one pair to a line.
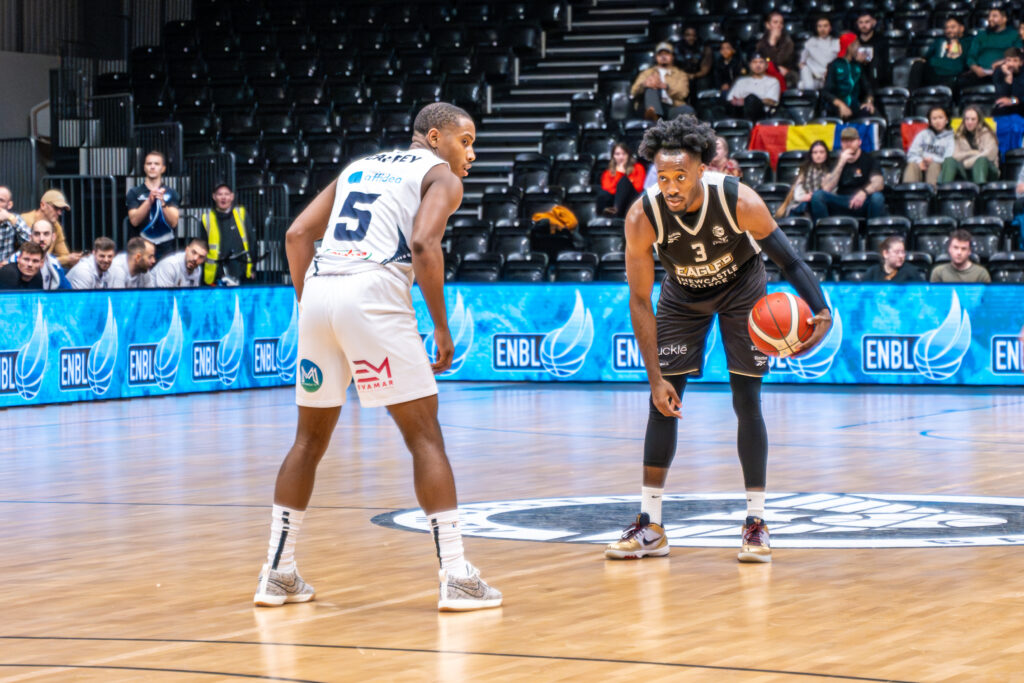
756,545
640,539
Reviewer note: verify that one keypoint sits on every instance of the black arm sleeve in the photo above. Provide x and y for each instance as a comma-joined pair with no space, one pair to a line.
798,273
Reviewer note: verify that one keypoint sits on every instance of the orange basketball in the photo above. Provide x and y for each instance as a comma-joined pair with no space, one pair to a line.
777,322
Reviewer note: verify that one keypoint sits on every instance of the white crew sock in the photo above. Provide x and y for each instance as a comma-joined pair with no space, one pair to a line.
650,502
284,530
448,541
755,504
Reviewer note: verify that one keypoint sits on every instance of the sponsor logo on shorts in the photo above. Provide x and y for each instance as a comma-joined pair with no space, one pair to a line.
672,350
311,378
371,377
713,520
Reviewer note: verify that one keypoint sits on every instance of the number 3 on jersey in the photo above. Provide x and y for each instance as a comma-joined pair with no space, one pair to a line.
349,212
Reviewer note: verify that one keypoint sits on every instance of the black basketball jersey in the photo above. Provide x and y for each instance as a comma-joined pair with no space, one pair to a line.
704,249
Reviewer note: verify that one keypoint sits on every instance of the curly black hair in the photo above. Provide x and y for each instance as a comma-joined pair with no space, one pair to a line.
438,115
685,133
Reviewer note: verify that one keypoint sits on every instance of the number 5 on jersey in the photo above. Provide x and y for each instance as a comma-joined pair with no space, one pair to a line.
349,212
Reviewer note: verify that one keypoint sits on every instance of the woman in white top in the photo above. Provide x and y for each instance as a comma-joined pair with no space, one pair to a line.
816,55
930,148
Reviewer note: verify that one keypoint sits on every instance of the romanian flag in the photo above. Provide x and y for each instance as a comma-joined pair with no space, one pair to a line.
778,139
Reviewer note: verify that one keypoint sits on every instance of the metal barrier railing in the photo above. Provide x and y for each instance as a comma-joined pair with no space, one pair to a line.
94,202
273,266
116,114
163,137
207,171
18,171
264,202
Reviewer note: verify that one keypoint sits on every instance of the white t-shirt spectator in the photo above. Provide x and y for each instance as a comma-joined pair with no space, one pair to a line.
765,88
121,277
87,276
171,272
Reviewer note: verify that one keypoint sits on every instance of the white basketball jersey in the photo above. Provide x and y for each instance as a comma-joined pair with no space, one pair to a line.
375,202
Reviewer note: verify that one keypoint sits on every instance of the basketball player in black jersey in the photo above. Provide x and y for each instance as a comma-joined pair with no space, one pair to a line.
709,230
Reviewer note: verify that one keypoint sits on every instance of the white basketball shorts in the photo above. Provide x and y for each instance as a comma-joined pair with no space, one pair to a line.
360,327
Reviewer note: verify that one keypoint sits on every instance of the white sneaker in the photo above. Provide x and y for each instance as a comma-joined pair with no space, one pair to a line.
466,593
276,588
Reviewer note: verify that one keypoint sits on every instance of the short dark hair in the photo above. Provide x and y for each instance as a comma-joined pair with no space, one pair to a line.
1012,53
31,248
889,242
201,242
956,18
685,133
438,115
158,153
136,245
999,8
104,244
866,12
220,185
961,235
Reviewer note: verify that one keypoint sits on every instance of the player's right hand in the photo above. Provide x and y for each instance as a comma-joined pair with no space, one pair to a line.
665,398
445,350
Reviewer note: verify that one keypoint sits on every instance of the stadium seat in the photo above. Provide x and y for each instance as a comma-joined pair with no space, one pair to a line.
912,200
560,139
736,132
921,260
357,146
518,270
612,267
395,120
931,234
633,133
423,89
597,143
465,91
276,123
417,63
788,167
539,200
1012,165
470,240
325,150
574,271
773,194
480,268
986,235
800,105
510,240
708,103
604,235
821,264
892,103
455,62
997,199
879,229
853,267
501,204
285,151
956,199
983,96
357,119
586,112
297,178
583,204
305,93
797,230
836,235
531,169
923,99
247,150
572,173
755,166
495,63
1007,267
892,163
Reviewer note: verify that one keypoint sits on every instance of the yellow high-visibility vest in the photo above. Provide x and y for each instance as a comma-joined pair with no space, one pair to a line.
213,240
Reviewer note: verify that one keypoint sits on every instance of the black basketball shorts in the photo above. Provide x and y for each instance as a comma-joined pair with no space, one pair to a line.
684,320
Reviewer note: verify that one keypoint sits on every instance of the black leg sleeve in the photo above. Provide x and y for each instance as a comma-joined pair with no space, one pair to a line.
751,434
660,440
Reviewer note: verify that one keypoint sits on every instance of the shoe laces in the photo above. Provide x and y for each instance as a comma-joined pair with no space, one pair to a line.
636,527
755,531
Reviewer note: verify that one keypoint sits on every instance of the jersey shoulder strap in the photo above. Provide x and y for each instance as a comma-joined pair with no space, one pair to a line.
728,194
652,209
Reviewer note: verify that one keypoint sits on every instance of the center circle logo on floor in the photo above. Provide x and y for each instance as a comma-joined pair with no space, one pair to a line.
713,520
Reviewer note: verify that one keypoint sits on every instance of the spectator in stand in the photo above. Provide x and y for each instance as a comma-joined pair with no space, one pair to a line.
662,89
930,149
975,150
817,54
848,90
986,51
894,266
960,269
695,59
721,162
228,229
13,229
808,181
728,66
854,187
947,56
152,207
130,270
1009,84
777,47
93,271
52,206
25,273
756,96
182,269
621,182
874,47
50,270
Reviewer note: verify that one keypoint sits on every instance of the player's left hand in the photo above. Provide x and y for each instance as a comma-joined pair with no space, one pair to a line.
822,323
445,350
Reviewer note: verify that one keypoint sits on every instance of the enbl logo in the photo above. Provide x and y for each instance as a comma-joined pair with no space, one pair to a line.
158,363
220,359
460,323
561,352
936,354
22,371
276,357
1007,355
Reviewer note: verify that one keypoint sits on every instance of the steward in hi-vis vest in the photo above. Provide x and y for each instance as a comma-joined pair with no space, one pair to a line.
227,232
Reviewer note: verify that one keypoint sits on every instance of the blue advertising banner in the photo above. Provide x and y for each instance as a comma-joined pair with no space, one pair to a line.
94,345
80,346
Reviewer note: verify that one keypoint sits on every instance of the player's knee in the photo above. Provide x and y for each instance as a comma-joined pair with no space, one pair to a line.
746,396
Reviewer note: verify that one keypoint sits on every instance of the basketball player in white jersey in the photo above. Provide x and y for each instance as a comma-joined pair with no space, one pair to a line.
381,223
708,230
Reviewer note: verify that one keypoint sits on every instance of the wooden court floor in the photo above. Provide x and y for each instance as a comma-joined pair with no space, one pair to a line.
134,531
